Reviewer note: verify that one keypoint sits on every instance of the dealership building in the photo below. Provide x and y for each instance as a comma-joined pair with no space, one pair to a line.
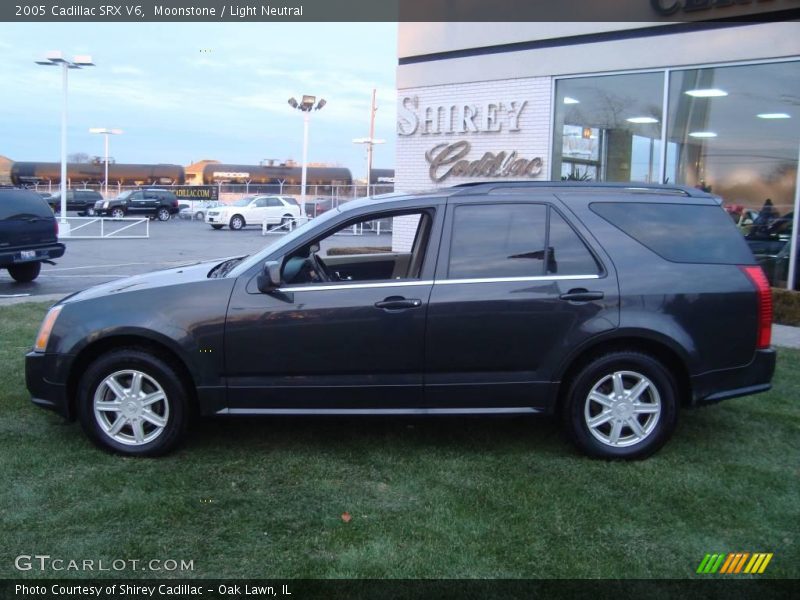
709,105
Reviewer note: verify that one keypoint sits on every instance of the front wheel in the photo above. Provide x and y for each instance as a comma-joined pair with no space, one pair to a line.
133,403
236,223
117,213
623,405
216,227
25,272
162,214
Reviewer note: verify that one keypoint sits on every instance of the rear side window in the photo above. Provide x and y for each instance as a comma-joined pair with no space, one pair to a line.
685,233
568,255
22,203
500,240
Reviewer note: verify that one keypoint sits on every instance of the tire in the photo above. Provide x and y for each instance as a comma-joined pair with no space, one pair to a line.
286,222
199,216
216,227
90,212
117,213
162,214
590,397
236,222
25,272
141,430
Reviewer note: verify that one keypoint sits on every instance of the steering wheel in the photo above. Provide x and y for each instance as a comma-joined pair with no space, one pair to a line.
320,268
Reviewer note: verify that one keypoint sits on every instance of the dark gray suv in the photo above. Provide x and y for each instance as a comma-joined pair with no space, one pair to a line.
609,305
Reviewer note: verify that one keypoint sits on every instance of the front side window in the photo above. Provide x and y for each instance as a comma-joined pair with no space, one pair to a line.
499,240
363,250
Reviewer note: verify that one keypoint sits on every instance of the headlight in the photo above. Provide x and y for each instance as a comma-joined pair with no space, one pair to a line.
105,204
47,326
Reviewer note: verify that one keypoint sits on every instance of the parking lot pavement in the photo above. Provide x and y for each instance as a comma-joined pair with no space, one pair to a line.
90,262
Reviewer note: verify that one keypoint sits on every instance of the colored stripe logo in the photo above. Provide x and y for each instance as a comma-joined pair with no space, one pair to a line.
735,563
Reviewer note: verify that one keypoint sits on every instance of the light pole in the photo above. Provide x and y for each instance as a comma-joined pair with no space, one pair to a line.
370,141
105,132
306,105
53,59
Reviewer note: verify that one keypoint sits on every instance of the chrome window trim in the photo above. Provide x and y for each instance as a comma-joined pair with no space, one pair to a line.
386,284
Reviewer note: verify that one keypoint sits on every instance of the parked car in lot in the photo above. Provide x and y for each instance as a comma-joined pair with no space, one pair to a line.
610,306
199,210
317,206
255,210
82,201
156,203
28,234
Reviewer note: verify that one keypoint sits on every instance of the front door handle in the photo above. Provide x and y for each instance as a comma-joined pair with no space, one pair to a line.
581,295
398,303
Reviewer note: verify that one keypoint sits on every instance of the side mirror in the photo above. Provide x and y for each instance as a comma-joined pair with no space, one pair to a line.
270,278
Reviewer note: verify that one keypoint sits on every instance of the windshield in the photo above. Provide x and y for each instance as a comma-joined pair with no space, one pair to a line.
260,256
124,195
243,201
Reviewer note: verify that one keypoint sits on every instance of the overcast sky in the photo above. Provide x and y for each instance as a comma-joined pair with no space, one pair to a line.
186,92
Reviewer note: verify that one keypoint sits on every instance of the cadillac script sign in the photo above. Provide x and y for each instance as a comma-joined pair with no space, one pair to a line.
458,126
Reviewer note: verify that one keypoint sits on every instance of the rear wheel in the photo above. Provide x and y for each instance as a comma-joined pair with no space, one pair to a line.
199,216
90,212
162,214
236,222
132,402
286,222
25,272
621,405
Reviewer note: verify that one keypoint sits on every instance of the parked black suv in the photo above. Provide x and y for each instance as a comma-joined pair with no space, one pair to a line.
28,234
608,305
82,201
161,204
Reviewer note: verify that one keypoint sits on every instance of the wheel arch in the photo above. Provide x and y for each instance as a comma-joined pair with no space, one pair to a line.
241,216
673,357
117,341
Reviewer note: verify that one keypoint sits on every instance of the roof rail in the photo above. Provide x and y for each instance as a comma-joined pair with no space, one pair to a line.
490,186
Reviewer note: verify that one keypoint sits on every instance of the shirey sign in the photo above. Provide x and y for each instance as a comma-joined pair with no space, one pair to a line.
454,128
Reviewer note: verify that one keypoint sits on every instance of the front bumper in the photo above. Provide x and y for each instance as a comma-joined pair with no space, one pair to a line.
753,378
14,257
39,369
216,219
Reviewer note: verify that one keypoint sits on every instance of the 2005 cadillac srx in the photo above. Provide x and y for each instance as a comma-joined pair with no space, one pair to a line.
612,306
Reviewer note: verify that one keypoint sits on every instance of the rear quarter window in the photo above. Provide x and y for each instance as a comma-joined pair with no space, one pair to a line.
685,233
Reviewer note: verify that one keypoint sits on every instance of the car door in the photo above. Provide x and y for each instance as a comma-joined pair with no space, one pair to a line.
274,210
343,345
137,203
518,287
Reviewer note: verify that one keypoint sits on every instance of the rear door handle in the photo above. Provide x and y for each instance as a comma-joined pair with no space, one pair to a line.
398,303
581,295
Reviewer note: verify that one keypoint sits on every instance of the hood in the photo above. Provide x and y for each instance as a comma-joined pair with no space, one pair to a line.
191,272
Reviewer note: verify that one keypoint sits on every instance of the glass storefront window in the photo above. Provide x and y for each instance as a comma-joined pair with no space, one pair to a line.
608,128
736,132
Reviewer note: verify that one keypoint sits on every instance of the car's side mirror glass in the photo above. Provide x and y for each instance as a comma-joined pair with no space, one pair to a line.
270,278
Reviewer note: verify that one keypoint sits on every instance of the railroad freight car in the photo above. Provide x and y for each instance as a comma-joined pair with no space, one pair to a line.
228,173
28,173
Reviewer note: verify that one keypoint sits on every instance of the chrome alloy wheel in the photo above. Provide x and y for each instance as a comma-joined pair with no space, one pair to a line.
622,409
131,407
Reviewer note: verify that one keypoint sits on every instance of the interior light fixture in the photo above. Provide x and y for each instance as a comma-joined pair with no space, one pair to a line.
707,93
641,120
568,100
773,116
702,134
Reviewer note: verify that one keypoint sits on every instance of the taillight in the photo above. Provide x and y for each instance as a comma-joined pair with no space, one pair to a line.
756,276
55,221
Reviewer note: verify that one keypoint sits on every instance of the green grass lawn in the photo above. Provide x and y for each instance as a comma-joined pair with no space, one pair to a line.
429,498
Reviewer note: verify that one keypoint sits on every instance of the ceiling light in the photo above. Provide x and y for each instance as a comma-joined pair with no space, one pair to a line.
642,120
773,116
568,100
707,93
703,134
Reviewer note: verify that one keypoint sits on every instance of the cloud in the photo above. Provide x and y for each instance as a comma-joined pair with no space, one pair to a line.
126,70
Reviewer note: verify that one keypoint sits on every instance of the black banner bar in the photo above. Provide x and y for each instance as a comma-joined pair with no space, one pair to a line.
657,11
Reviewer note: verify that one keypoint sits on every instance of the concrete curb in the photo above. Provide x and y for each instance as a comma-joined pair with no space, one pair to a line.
51,298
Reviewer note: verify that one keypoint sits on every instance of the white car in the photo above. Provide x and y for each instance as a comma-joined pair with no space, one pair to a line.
198,210
255,210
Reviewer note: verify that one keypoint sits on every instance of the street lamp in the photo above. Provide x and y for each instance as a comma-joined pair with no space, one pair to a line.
56,59
370,141
106,132
306,105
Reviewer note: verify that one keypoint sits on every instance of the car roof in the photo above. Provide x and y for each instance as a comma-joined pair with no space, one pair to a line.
483,188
